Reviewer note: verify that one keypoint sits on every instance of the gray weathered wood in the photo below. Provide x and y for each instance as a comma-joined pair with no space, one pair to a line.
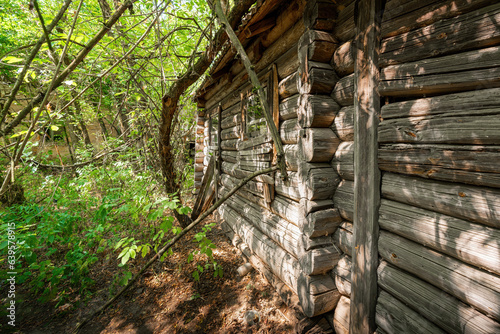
476,165
343,92
314,77
344,199
260,149
395,317
318,144
287,187
293,155
231,133
473,203
319,261
447,312
289,107
343,125
243,145
343,161
316,181
288,209
467,283
343,59
231,121
229,145
233,170
289,131
320,223
469,242
343,239
342,317
288,86
316,111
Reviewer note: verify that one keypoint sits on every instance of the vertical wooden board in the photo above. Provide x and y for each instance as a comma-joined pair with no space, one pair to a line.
366,173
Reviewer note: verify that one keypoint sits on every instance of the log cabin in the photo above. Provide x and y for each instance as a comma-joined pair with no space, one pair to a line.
388,219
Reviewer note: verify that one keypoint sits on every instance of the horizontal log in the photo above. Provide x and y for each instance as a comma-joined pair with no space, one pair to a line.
481,102
395,317
317,111
454,73
289,131
231,133
342,273
343,92
343,237
289,107
320,15
293,154
233,170
477,165
475,130
261,149
447,312
344,27
291,13
288,209
229,156
198,175
321,223
317,284
288,188
255,157
315,77
319,261
343,286
243,145
233,110
344,199
198,167
318,144
471,243
314,305
343,125
253,166
342,316
343,161
288,86
315,243
478,204
229,145
288,62
309,206
231,121
316,181
319,45
467,283
343,59
465,32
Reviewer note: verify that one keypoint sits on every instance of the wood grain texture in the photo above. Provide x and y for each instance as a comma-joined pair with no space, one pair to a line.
343,239
343,92
289,107
343,161
344,199
318,144
447,312
478,204
316,111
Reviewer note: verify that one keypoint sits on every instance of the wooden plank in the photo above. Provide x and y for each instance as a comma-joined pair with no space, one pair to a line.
243,145
478,204
203,196
447,312
320,45
260,149
467,283
465,32
477,165
471,243
229,145
395,317
453,73
316,111
366,173
233,170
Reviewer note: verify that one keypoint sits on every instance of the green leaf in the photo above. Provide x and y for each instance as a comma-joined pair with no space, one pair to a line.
12,60
54,127
125,258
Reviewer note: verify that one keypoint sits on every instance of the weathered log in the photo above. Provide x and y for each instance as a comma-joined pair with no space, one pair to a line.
316,181
343,238
478,204
472,243
476,130
342,273
314,305
467,283
255,157
289,131
198,175
256,150
293,155
343,125
309,206
253,165
288,188
453,73
465,32
198,167
288,86
343,59
342,316
476,165
231,121
233,170
318,144
231,133
395,317
289,107
344,199
482,102
343,92
319,261
278,229
315,77
320,223
343,161
243,145
434,304
288,209
284,21
320,15
229,145
229,156
316,111
319,45
315,243
317,284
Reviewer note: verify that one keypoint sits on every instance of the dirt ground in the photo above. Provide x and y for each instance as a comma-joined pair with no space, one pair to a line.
168,300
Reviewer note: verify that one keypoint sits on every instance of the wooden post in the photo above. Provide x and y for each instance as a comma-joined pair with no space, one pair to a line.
366,172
